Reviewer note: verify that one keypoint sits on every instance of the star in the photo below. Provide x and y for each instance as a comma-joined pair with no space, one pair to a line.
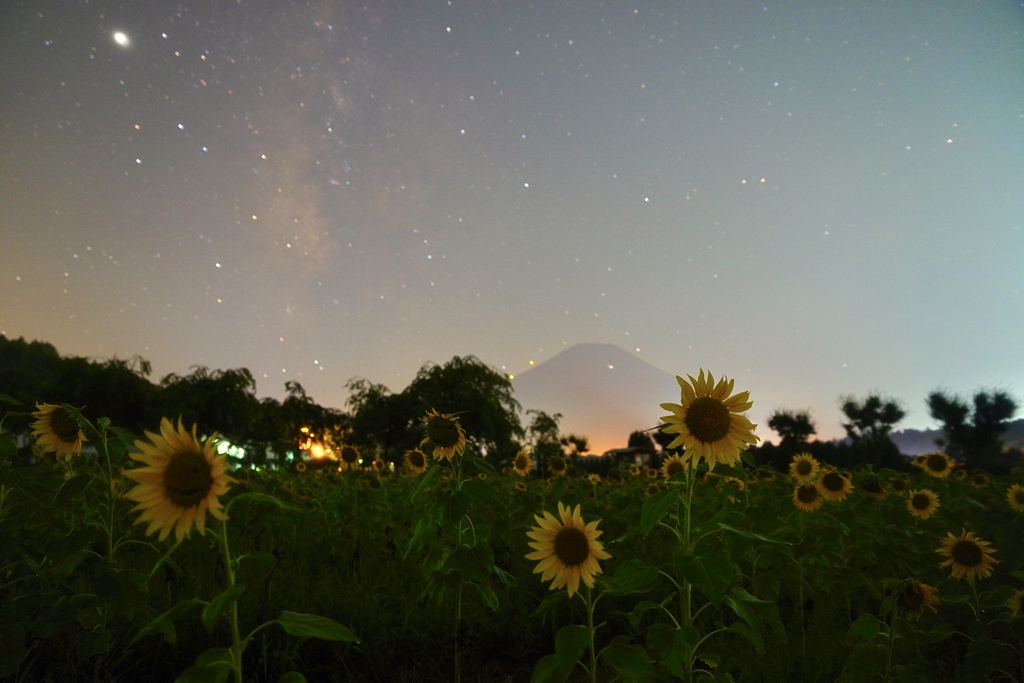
122,39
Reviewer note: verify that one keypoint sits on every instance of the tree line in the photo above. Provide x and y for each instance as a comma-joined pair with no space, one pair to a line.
385,424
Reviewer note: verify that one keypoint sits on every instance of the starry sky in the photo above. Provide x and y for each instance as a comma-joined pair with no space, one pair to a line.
816,199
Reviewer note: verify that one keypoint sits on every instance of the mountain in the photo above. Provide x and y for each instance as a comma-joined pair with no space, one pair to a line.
917,441
602,391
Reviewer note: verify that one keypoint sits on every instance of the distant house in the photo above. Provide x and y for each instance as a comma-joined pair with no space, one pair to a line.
633,455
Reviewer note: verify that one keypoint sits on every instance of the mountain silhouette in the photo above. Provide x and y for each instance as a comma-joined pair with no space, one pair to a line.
602,391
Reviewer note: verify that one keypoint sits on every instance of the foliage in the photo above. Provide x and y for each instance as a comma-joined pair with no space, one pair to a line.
870,421
973,434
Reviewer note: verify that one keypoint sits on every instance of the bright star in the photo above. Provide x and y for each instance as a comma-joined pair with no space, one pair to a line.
121,39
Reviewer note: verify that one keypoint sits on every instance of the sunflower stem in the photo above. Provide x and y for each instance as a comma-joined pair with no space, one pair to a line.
686,594
591,632
229,576
975,602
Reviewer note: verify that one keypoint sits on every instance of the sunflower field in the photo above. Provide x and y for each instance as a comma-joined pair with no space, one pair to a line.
128,557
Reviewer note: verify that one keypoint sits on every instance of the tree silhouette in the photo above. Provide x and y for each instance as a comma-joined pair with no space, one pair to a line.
973,434
793,427
870,423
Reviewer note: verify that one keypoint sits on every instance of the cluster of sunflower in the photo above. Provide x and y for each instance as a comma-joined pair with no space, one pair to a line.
815,484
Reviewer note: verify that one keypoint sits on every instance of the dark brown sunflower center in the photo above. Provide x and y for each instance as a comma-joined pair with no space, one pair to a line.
921,501
416,459
571,546
707,419
936,463
833,482
349,455
911,598
807,494
804,467
64,426
187,479
522,462
1018,497
443,431
674,467
872,485
966,553
558,464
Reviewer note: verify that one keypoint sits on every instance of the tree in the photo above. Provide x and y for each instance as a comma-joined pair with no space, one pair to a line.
973,435
544,438
480,396
870,423
640,439
793,427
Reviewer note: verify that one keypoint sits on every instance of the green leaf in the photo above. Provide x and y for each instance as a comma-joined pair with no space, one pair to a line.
865,627
71,490
711,573
632,576
212,612
751,534
656,507
489,597
753,610
673,645
474,563
8,449
255,567
215,657
452,509
630,661
257,498
867,661
163,625
315,626
744,630
550,669
504,576
478,489
292,677
571,642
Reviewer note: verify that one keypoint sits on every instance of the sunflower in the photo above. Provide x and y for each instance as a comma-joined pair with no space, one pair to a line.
594,478
520,486
980,480
634,469
913,598
804,468
651,489
415,461
959,474
1015,498
899,483
922,503
764,475
673,465
651,472
834,486
936,464
968,556
1014,603
873,486
567,548
58,430
522,464
807,497
183,481
300,466
445,433
557,466
708,422
348,458
613,477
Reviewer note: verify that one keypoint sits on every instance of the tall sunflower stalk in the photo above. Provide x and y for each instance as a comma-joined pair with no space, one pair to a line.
62,429
468,559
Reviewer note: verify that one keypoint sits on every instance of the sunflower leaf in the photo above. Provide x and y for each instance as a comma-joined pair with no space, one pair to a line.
213,611
752,609
632,576
71,489
754,638
630,661
865,627
162,624
292,677
315,626
477,489
250,497
550,669
571,642
656,507
711,574
751,534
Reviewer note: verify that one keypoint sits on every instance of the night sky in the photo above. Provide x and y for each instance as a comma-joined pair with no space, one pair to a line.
816,199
